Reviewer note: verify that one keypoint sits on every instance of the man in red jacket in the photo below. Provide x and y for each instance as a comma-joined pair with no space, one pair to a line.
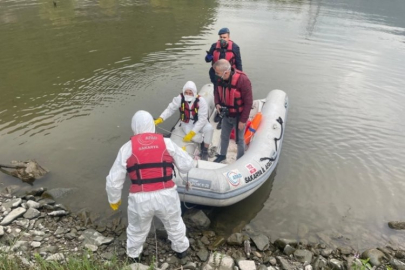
233,93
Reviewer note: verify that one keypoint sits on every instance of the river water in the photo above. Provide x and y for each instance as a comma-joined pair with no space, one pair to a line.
72,74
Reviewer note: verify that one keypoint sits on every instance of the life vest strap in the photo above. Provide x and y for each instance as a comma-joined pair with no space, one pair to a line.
149,166
151,180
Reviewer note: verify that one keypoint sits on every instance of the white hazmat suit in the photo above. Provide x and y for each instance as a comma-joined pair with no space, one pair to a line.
202,126
143,206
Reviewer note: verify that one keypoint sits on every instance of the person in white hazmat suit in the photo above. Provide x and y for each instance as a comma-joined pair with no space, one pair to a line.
194,117
148,159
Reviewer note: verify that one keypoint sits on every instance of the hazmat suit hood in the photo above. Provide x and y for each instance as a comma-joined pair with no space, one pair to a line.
190,86
142,122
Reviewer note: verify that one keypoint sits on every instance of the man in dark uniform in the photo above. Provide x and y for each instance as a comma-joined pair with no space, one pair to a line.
224,48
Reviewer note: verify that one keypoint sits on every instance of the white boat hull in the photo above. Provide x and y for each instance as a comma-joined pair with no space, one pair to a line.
218,184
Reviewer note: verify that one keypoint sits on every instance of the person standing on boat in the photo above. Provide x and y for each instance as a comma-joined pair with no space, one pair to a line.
194,117
148,158
232,93
224,48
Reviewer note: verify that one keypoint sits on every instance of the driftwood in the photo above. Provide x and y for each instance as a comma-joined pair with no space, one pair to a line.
27,171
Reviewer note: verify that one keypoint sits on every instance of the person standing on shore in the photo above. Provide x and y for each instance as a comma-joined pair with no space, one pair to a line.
148,158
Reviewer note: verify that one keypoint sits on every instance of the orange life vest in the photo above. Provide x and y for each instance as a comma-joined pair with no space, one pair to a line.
229,55
252,127
150,166
186,111
230,96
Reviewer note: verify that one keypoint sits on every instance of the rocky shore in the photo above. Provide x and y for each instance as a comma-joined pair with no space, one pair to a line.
34,224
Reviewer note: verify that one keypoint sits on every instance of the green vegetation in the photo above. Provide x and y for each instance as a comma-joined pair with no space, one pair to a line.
85,262
364,265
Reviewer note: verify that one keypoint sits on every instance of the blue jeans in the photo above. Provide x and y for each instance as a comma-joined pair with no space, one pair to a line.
228,123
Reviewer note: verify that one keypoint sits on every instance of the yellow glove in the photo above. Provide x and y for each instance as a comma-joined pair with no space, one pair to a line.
184,148
115,206
158,121
189,136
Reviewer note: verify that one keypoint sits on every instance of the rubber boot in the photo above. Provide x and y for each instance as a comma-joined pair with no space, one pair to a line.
204,152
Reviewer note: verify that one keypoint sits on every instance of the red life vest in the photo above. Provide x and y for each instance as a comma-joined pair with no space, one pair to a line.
229,55
150,166
185,109
230,96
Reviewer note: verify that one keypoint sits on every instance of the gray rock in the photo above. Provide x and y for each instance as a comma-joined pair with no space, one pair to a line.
326,252
203,254
303,255
320,263
397,225
400,254
107,255
13,203
32,213
336,264
164,266
95,238
18,245
24,223
46,202
205,240
56,257
139,266
36,192
375,256
236,239
288,250
261,241
246,265
13,215
91,247
397,264
33,204
58,213
219,261
190,265
345,250
1,230
199,219
281,243
284,263
35,244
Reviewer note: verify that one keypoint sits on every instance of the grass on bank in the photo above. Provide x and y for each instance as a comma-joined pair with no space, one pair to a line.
85,262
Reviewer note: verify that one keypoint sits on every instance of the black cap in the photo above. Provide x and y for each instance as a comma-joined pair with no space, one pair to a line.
223,31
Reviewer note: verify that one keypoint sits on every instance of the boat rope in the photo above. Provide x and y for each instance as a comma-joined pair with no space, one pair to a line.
280,121
169,132
156,245
186,187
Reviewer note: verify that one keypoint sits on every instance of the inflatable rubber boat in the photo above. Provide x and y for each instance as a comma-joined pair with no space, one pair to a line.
223,184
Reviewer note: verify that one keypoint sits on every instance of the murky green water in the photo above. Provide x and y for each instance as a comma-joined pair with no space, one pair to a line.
72,76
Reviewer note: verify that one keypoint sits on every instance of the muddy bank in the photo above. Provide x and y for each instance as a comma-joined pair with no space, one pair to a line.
34,223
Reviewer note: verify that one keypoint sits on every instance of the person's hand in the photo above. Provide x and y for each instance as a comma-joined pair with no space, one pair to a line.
158,121
218,108
189,136
184,148
115,206
241,125
209,57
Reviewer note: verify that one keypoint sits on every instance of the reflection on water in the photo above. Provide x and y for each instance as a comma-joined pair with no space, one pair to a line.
72,76
234,218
